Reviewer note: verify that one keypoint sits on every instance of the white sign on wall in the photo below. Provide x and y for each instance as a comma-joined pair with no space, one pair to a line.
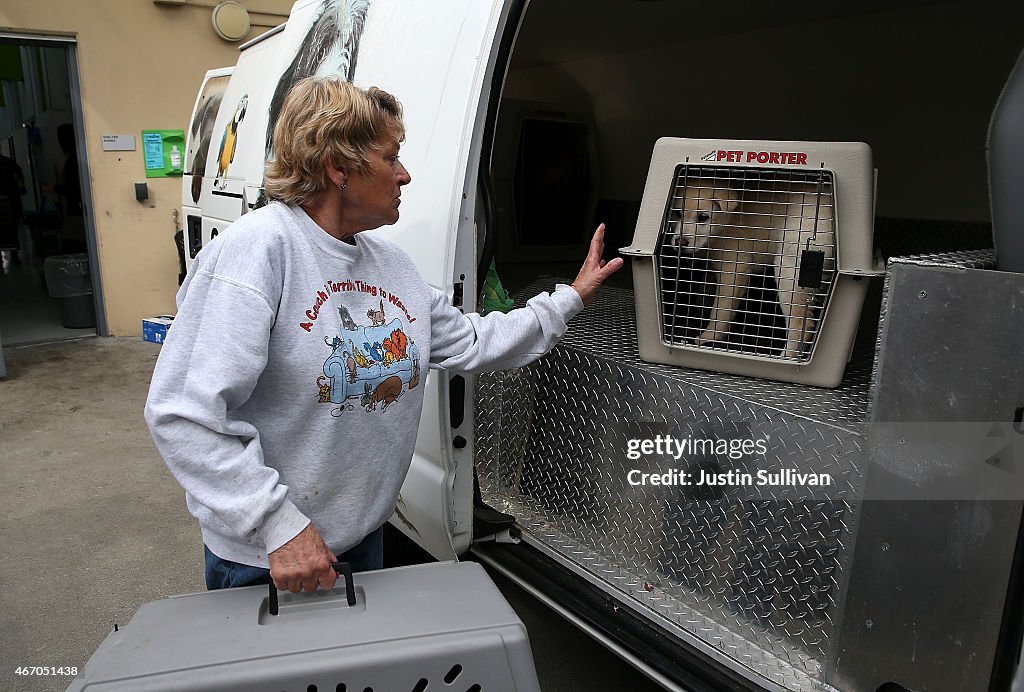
118,142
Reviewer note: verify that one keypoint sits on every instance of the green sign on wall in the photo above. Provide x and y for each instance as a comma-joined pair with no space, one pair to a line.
164,151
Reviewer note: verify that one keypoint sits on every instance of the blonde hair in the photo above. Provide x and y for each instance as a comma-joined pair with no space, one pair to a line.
324,119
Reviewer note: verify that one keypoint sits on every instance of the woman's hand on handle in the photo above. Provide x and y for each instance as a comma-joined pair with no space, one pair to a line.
303,563
595,270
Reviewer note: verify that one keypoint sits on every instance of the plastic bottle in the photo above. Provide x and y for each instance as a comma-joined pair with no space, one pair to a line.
175,157
1006,172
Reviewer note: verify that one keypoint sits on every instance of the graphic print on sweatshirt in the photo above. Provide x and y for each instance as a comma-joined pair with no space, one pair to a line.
371,364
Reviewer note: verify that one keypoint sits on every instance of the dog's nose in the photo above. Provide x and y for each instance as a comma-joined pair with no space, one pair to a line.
683,241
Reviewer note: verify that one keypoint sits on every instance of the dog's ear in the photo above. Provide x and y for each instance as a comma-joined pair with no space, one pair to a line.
726,199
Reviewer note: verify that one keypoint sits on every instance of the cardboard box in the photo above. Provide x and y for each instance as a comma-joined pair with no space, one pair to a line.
154,329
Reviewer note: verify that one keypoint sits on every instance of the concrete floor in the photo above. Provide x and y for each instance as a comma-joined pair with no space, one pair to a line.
94,525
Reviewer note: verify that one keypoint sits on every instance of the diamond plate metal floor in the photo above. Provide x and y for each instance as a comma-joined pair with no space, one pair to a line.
753,575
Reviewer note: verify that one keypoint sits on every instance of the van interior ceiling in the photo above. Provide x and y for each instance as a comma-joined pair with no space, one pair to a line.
587,93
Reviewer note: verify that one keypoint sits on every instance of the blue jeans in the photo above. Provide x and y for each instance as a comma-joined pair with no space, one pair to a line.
225,574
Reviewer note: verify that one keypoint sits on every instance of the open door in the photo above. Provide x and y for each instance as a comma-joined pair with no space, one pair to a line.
197,150
440,66
50,286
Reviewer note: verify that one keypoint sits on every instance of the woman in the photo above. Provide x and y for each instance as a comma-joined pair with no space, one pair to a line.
288,418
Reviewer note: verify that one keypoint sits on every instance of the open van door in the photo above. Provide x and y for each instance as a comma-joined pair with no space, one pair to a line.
200,141
440,65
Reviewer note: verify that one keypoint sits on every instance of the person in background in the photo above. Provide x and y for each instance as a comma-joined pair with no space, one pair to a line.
287,396
69,187
12,187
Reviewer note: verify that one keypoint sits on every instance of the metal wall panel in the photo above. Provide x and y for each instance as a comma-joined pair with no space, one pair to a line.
929,580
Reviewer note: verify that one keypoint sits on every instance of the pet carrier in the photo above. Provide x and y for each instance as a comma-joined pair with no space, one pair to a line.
751,257
434,626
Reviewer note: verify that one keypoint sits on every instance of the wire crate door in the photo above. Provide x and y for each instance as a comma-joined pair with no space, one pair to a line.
746,259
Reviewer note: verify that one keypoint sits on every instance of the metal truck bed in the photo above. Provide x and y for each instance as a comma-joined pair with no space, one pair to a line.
754,576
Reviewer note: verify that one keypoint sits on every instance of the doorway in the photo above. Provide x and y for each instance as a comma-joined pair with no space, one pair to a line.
49,275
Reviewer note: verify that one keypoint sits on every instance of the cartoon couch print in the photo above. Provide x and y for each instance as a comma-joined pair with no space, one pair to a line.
375,363
229,142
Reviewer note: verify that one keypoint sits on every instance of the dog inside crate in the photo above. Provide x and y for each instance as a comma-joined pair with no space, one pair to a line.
746,259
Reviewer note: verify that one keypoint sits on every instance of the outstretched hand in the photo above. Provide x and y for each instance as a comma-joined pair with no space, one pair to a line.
595,270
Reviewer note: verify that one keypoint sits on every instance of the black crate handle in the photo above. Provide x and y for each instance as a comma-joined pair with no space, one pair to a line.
342,568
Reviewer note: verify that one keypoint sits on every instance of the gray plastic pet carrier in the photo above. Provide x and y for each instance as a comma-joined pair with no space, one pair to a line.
442,626
750,257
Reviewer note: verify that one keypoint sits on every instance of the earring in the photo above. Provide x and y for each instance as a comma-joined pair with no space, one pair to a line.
343,187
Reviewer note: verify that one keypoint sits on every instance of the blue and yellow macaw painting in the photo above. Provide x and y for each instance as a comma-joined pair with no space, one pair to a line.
229,142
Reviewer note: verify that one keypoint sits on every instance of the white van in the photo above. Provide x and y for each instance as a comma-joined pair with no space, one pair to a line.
904,573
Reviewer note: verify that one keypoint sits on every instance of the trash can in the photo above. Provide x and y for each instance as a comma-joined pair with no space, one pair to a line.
68,280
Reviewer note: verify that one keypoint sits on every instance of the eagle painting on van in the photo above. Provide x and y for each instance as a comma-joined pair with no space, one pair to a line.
330,47
202,131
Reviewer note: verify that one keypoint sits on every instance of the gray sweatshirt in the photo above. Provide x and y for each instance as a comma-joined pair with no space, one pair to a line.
290,386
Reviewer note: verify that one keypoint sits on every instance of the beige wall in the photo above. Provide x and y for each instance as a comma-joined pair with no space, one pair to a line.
140,66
